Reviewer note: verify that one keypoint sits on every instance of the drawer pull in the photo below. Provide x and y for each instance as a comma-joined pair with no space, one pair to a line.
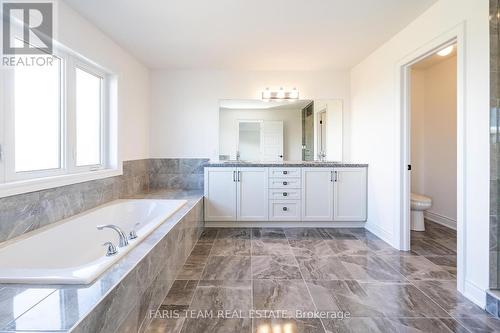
285,194
285,209
285,172
285,183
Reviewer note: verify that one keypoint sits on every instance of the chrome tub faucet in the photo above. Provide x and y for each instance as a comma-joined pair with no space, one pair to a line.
123,241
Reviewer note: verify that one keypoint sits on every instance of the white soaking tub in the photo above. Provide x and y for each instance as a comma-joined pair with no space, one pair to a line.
72,251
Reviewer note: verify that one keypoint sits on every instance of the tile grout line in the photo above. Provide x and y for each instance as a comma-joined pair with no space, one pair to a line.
198,282
27,310
305,283
432,299
251,277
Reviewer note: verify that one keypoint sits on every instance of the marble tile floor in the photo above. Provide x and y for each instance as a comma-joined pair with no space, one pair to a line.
353,280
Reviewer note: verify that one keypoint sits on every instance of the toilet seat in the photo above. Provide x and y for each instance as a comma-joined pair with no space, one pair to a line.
420,202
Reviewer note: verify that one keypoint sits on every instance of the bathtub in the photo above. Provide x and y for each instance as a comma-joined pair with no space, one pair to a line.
72,251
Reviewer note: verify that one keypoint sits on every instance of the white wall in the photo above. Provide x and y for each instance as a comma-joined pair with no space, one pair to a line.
434,138
133,78
185,103
292,129
375,127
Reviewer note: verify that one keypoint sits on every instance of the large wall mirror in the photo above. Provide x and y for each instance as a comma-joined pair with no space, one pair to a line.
275,131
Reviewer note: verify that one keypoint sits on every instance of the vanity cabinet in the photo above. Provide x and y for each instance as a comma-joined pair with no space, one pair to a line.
349,194
220,194
317,194
251,194
236,194
295,194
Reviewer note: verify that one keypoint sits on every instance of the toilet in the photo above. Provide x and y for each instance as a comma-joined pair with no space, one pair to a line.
419,204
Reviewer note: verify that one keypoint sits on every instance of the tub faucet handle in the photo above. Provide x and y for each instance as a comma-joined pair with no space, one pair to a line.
132,235
111,250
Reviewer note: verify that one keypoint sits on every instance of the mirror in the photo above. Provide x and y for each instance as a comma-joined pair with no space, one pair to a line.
284,130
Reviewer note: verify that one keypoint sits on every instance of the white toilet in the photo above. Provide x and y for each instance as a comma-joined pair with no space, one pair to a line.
419,203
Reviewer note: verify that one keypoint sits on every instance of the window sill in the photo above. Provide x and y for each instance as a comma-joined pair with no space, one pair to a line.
32,185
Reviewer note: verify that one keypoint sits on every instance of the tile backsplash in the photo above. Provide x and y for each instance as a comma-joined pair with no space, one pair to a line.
26,212
178,173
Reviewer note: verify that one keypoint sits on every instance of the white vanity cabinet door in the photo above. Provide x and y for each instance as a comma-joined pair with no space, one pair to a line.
317,194
220,194
349,194
252,194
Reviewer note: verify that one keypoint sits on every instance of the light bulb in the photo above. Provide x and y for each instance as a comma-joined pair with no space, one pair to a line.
446,51
281,93
266,94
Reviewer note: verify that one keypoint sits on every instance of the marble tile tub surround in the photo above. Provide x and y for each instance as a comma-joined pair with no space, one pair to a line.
27,212
176,173
120,299
331,270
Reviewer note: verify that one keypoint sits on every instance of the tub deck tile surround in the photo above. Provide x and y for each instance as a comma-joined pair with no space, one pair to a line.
23,213
121,298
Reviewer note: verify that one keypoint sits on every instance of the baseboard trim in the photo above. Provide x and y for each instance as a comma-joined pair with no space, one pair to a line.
379,232
475,294
440,219
283,224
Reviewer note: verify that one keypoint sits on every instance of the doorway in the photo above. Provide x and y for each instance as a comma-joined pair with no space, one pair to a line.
433,159
455,36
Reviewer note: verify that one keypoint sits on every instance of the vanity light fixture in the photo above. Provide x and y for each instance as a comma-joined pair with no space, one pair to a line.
446,51
280,94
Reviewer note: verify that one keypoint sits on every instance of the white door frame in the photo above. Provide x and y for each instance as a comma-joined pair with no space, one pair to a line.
455,35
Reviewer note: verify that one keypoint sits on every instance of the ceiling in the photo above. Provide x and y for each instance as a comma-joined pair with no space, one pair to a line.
251,34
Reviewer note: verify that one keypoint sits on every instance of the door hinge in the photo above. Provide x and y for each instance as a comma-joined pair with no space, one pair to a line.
321,122
409,167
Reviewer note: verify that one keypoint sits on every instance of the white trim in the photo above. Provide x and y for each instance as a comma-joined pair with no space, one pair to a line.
475,294
288,224
11,182
441,219
37,184
402,190
379,232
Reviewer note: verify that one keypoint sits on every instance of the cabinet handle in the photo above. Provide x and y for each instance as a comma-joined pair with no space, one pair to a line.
285,172
336,176
234,176
285,194
239,176
285,183
285,209
331,176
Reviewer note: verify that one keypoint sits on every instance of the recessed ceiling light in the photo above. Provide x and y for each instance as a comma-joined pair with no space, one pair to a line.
446,51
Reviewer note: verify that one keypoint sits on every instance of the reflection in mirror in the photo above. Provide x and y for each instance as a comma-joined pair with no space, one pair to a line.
275,131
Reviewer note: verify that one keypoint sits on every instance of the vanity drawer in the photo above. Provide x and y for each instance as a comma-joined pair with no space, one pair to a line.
284,210
284,183
284,194
284,172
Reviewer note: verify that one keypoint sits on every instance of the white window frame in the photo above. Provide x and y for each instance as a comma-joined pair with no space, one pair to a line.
12,182
78,64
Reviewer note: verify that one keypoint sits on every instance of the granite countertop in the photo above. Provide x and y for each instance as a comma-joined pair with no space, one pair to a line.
304,164
61,307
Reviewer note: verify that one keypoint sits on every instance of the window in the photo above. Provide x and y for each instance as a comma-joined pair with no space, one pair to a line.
88,118
55,119
37,117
